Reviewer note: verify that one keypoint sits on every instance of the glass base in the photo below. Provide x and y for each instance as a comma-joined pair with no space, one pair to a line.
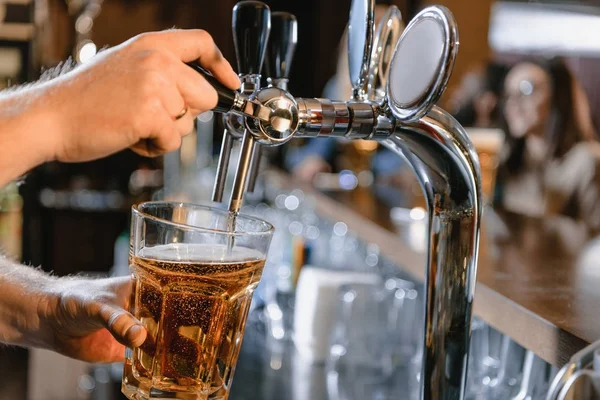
137,393
136,390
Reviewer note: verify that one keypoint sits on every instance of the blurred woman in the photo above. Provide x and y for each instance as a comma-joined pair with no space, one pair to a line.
476,101
550,161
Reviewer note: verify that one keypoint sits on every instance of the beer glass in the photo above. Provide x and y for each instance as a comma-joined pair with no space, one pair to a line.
488,144
194,270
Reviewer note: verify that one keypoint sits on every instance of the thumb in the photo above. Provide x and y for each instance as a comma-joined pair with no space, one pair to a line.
122,325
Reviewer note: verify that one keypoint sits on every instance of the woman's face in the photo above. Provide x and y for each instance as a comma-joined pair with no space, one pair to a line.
528,100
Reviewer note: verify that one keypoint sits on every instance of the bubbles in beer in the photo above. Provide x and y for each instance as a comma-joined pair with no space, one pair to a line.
194,309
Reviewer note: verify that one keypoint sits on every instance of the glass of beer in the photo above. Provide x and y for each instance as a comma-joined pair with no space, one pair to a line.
488,144
194,269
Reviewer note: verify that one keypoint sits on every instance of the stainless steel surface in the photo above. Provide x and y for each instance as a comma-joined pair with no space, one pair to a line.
244,166
360,43
254,168
583,385
280,52
239,182
222,164
279,83
363,121
388,33
251,25
580,361
253,109
283,119
249,83
431,40
438,150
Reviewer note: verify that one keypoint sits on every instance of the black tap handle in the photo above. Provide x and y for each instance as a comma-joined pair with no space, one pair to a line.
251,23
282,44
226,95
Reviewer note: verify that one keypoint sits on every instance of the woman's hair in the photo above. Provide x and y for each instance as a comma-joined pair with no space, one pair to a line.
563,130
491,79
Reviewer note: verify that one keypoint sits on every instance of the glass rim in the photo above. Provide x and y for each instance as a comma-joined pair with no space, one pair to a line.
137,209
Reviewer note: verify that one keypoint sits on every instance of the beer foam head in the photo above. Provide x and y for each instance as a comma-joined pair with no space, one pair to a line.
194,252
490,140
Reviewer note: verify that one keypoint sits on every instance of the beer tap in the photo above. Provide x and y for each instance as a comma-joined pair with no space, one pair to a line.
387,35
436,147
251,23
278,61
281,48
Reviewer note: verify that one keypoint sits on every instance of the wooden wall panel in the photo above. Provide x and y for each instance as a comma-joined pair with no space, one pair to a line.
473,19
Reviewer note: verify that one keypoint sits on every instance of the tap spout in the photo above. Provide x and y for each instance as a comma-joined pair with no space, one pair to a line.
447,167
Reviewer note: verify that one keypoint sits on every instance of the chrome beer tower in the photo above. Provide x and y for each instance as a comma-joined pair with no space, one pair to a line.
394,103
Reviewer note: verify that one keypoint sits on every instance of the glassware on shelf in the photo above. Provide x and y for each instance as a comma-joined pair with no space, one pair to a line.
372,348
484,360
510,372
537,376
315,308
411,226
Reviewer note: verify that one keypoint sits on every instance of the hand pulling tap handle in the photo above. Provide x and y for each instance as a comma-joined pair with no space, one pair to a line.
230,100
225,102
227,96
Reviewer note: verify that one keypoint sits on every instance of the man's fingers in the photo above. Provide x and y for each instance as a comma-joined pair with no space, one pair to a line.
196,44
195,90
123,326
171,97
163,136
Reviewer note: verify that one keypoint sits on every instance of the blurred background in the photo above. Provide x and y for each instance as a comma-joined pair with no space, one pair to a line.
526,69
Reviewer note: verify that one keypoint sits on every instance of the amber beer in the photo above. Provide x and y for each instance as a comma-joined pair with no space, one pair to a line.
194,311
488,144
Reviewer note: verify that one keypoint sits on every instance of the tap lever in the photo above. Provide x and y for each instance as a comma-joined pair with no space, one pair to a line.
251,25
239,182
227,96
386,37
360,44
222,166
232,101
254,168
281,48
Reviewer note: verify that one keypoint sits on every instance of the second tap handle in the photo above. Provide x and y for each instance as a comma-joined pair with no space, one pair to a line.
226,95
254,168
251,22
222,166
282,44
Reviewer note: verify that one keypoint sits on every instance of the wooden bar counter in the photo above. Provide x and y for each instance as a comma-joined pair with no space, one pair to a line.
538,279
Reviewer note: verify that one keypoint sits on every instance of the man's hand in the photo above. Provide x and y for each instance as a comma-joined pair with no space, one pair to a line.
126,97
130,96
86,319
77,317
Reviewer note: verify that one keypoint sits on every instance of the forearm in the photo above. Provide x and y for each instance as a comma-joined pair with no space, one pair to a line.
26,132
23,297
